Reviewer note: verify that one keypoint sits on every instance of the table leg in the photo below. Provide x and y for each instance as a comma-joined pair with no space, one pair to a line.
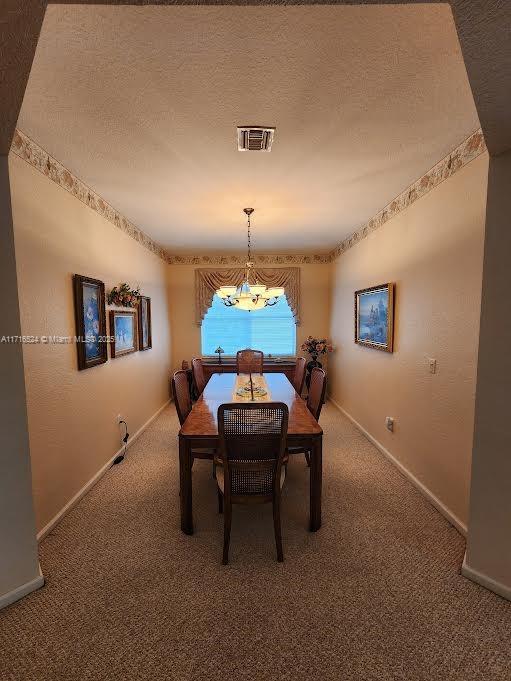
185,485
316,475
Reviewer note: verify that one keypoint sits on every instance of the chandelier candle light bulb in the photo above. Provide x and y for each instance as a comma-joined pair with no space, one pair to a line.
249,296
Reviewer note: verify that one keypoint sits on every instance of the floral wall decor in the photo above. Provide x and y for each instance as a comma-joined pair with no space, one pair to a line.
124,296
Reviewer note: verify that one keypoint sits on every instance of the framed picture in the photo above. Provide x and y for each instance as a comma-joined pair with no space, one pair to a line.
374,317
123,332
145,338
90,319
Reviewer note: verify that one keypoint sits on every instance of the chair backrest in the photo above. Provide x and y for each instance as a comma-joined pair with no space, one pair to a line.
252,444
249,361
317,390
198,374
182,397
299,375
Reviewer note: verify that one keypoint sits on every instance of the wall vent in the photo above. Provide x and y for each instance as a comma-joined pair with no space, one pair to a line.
253,138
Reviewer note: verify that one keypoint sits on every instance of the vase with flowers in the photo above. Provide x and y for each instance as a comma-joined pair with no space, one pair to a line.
315,347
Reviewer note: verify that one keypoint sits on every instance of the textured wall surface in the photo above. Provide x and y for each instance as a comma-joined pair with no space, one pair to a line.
18,551
72,414
20,24
489,545
433,252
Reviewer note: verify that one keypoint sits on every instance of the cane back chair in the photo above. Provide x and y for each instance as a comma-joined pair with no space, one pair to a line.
299,375
249,361
252,447
198,374
315,401
183,402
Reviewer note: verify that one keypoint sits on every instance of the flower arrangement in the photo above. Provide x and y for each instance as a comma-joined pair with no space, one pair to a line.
316,346
124,296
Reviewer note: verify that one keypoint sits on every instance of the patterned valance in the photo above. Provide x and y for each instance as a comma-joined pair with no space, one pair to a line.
207,282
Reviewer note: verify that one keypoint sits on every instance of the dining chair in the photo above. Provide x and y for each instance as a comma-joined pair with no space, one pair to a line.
249,361
181,392
317,390
299,375
183,402
315,401
198,374
252,448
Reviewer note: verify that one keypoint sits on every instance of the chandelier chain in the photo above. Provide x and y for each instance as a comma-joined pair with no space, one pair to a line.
249,295
248,238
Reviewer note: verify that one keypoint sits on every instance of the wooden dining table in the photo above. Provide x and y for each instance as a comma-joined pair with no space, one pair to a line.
200,430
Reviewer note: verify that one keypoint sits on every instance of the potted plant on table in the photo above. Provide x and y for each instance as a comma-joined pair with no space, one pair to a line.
315,347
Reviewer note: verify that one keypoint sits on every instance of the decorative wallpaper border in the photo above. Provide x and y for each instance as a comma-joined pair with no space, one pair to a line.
467,151
242,259
34,155
28,150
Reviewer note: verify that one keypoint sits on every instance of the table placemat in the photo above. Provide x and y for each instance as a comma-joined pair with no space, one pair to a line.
260,386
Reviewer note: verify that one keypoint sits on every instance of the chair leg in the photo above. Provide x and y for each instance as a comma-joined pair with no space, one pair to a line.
220,501
277,528
227,531
308,458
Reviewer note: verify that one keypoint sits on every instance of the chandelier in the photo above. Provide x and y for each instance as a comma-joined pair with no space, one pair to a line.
249,296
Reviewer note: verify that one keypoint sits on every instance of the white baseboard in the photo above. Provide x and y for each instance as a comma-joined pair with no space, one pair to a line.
22,590
72,502
446,512
484,580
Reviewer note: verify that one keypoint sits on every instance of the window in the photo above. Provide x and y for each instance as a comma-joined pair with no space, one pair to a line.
271,329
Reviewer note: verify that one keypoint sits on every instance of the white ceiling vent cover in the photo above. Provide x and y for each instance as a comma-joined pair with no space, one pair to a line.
253,138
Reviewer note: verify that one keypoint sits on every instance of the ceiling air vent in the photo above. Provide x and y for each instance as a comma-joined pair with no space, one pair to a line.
255,139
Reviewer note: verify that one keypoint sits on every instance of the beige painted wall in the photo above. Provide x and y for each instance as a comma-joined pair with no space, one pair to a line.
19,569
433,252
72,414
315,308
489,540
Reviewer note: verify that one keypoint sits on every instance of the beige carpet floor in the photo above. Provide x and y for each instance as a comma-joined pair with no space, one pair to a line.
375,594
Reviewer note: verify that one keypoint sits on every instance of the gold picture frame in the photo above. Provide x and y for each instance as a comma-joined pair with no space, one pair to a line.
123,332
374,317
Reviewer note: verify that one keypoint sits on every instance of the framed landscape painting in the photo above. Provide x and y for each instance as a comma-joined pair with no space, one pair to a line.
374,317
90,319
145,339
123,332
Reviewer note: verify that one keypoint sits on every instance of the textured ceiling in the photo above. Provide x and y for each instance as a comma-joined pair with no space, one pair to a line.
142,104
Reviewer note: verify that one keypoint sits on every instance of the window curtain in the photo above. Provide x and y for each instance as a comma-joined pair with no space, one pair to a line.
207,282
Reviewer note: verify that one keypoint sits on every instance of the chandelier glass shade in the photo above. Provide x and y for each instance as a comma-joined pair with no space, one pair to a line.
249,296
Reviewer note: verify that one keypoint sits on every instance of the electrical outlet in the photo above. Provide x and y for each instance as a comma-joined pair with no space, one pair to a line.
432,365
389,423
